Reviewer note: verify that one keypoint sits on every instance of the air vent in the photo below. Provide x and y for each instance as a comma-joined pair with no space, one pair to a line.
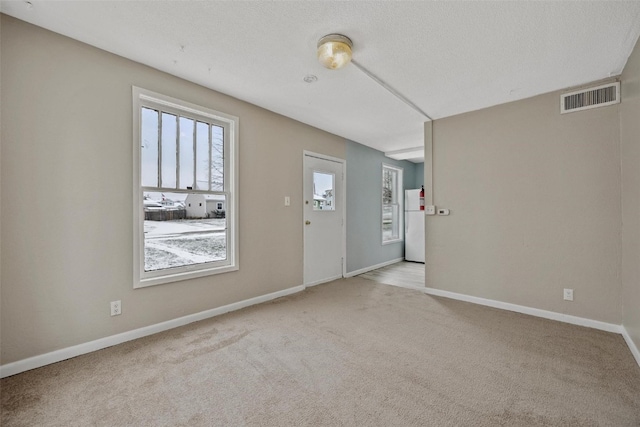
594,97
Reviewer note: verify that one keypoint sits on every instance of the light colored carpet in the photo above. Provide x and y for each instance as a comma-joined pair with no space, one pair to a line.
351,352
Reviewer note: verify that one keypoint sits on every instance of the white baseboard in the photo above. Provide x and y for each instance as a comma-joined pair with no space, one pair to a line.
574,320
632,346
581,321
320,282
373,267
77,350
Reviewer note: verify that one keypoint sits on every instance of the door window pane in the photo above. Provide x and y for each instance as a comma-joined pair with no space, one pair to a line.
323,191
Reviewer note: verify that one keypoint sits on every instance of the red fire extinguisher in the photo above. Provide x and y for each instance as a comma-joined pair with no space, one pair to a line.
422,198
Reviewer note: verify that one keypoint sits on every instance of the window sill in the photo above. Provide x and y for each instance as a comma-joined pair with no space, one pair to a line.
186,275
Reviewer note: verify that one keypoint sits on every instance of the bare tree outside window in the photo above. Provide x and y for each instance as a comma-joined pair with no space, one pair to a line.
387,185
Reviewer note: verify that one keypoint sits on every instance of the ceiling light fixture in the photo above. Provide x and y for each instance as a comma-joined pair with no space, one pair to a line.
334,51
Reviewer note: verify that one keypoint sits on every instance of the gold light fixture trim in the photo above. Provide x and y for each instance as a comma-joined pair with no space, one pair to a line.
334,51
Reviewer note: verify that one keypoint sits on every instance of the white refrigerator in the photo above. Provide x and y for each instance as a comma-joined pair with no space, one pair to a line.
413,227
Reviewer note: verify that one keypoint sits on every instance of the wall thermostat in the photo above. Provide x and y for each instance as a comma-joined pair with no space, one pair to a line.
443,211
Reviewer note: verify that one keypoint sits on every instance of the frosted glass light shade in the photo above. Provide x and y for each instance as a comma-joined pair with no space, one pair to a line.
334,51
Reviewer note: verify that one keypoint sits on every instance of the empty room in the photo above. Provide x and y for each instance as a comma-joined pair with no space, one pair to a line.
219,213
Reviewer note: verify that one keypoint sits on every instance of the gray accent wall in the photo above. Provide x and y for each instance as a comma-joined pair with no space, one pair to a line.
630,156
364,206
419,167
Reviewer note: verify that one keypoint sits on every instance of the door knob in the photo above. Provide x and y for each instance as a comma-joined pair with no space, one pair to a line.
307,222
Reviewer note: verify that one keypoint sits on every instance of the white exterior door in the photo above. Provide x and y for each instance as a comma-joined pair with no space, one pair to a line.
323,206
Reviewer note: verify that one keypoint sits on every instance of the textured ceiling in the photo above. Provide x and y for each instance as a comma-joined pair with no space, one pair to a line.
445,57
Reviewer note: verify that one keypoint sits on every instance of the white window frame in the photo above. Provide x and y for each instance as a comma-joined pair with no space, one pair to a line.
399,196
142,278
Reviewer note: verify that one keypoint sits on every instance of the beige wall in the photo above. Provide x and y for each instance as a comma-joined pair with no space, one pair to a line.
630,156
535,207
67,196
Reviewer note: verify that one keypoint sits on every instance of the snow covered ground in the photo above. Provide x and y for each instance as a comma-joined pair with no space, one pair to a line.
183,242
167,228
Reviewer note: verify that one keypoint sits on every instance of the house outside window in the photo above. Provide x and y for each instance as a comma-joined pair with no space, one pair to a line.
185,190
391,204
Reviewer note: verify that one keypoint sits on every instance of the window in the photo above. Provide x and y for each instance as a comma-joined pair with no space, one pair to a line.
185,172
391,204
323,185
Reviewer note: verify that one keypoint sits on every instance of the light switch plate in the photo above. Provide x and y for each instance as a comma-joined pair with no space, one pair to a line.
568,294
429,210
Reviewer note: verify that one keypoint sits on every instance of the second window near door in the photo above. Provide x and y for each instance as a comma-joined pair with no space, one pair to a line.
391,204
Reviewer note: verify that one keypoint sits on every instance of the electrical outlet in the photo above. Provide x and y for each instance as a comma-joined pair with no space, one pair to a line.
116,308
568,294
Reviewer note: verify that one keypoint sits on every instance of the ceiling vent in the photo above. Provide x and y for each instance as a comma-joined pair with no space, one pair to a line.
598,96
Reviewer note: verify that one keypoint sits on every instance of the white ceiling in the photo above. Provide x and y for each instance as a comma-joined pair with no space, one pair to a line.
445,57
